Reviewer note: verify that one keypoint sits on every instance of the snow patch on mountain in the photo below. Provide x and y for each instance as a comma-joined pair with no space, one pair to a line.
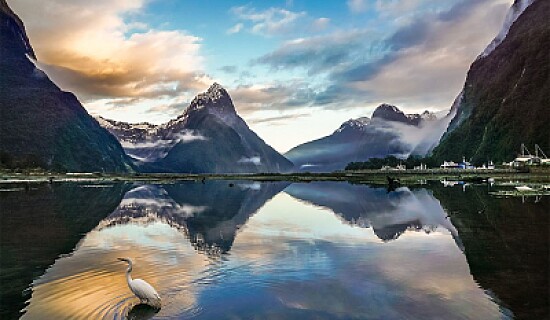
515,11
358,124
153,149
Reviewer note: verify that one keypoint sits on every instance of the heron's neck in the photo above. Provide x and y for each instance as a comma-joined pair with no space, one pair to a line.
128,276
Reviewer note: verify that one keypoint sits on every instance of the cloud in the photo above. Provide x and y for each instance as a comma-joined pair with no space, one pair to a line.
254,160
278,119
256,186
184,136
229,69
429,57
272,21
357,6
151,150
320,24
172,107
235,29
422,64
100,50
275,96
399,8
317,54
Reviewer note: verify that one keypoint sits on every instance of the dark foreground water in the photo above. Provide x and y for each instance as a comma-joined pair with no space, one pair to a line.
248,250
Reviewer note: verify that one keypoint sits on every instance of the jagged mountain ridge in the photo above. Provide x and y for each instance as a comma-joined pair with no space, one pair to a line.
392,113
363,138
505,98
209,137
41,125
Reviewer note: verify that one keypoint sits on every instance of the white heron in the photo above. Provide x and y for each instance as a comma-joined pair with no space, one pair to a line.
143,290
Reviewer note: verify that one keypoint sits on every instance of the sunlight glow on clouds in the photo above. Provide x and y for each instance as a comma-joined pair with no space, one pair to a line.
284,63
89,48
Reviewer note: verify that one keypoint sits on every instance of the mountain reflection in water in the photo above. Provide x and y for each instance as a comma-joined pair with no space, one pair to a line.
388,213
317,250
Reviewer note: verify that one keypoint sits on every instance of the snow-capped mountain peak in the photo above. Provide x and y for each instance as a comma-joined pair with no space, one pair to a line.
216,91
215,101
213,95
358,123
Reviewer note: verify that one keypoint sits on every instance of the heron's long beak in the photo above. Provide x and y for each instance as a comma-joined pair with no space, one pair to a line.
123,259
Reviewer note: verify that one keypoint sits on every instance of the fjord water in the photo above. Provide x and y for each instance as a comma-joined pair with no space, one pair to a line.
243,250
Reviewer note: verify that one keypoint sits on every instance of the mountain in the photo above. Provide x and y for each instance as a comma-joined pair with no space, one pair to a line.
388,132
389,214
40,125
504,102
194,208
209,137
392,113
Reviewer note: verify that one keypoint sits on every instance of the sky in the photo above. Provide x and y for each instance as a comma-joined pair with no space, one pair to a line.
295,69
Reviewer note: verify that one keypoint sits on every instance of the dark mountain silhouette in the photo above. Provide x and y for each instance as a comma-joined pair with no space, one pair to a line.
41,125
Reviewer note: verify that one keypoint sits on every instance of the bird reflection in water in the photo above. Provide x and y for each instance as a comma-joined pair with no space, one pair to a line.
142,311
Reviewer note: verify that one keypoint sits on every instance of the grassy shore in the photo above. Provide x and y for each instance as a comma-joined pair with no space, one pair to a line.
364,176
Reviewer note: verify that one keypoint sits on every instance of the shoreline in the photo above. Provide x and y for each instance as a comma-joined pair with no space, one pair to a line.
363,176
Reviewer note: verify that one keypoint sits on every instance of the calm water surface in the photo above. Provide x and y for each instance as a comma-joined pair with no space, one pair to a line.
249,250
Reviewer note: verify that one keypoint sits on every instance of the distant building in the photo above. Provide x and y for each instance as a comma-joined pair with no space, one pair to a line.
489,166
422,166
453,165
465,164
449,165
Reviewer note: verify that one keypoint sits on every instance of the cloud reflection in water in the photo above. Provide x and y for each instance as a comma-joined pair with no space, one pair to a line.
281,257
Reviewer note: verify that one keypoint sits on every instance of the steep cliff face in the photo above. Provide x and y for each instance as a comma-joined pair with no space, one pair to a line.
209,137
40,125
505,98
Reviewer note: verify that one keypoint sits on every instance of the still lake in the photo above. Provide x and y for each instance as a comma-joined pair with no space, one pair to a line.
250,250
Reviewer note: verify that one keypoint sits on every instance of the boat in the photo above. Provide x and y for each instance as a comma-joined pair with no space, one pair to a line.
524,189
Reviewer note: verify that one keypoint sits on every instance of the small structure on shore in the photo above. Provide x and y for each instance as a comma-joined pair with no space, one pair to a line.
453,165
449,165
489,166
400,167
527,159
422,166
